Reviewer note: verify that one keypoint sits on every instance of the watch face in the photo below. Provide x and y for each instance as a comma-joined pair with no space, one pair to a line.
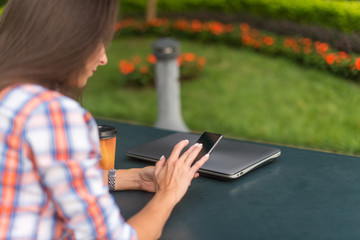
112,173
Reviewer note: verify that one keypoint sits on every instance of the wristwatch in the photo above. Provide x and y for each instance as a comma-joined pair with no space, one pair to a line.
111,179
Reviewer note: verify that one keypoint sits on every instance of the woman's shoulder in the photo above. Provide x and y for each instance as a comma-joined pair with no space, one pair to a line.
22,95
32,99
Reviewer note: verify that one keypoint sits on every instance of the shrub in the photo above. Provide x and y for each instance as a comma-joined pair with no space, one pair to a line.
312,53
139,72
344,16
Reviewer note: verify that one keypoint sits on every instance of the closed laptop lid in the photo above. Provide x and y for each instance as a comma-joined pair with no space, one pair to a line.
230,158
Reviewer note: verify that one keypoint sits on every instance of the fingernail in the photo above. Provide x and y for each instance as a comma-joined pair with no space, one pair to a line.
162,157
199,145
207,155
186,140
196,144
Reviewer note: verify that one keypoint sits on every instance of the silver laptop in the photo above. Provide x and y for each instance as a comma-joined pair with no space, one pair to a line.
229,160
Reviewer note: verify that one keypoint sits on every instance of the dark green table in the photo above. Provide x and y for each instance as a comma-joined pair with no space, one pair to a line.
301,195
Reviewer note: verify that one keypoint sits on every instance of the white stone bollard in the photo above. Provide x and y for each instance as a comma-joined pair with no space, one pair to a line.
167,83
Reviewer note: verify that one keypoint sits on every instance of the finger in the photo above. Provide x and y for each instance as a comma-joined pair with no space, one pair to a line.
159,165
192,156
177,150
199,163
186,154
196,175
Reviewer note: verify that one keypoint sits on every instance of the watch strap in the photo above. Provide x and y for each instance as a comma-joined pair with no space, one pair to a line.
111,179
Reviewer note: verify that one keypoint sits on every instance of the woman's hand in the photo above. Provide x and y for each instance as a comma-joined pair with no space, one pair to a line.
171,179
146,179
174,176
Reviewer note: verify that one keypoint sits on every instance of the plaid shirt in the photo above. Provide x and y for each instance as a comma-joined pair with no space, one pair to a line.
50,183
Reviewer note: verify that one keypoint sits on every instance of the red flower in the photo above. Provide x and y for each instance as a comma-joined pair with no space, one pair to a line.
158,22
201,61
344,56
137,59
307,42
246,39
330,58
126,67
269,41
180,60
118,26
196,25
229,28
307,50
181,24
144,69
321,47
290,42
257,44
189,57
216,28
244,27
357,64
296,48
151,58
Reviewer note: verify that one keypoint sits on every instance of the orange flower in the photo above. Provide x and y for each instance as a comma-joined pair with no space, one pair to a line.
137,59
144,69
269,41
126,67
330,58
343,55
180,60
246,39
155,22
321,47
290,42
216,28
118,26
229,28
189,57
352,67
181,24
151,58
244,27
307,50
357,64
122,64
196,25
254,32
257,44
307,42
201,61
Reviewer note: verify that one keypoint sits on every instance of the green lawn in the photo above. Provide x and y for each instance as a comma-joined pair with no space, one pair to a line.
241,94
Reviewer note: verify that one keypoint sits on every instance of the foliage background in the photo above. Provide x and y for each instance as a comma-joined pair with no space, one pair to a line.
341,15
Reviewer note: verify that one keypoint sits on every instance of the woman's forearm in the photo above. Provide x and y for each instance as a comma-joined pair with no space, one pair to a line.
150,221
126,179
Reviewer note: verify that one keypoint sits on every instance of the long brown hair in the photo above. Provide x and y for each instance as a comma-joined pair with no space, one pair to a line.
48,42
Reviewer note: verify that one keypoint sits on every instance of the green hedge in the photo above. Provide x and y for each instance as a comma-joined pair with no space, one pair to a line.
341,15
315,54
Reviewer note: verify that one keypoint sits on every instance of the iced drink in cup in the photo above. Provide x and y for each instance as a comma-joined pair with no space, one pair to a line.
108,146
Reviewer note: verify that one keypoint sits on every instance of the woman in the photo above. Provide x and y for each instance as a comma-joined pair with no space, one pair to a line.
50,183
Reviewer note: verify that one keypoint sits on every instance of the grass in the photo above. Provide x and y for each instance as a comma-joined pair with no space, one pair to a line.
241,94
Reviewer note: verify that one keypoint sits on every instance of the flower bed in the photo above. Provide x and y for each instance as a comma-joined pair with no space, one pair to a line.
341,14
139,72
304,50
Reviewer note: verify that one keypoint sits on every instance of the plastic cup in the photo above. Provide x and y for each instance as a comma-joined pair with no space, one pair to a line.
108,146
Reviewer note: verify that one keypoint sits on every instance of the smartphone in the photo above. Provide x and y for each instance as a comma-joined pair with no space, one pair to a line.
209,142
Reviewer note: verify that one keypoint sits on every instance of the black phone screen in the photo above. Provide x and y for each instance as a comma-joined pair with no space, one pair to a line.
209,141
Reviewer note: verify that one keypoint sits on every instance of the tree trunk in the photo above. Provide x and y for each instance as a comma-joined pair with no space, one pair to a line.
151,10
